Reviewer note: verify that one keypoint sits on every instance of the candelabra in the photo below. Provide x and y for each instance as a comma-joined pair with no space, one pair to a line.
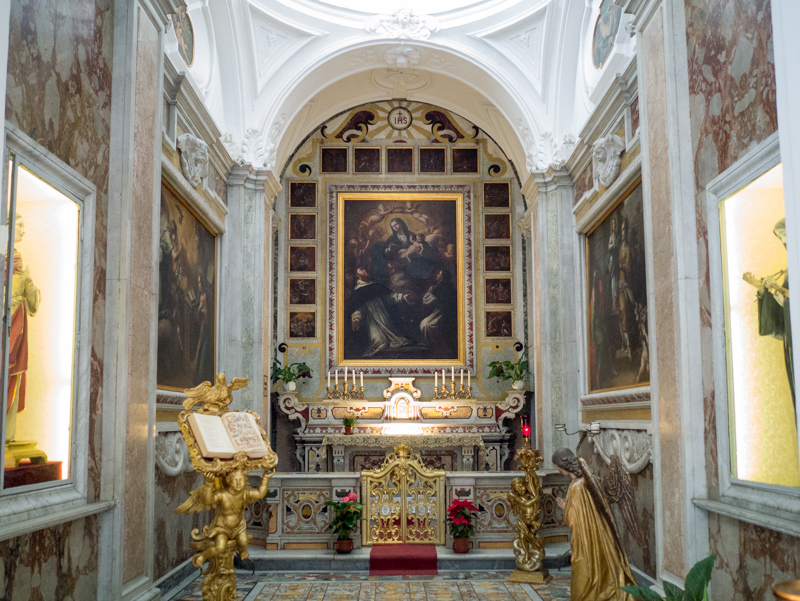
452,394
350,393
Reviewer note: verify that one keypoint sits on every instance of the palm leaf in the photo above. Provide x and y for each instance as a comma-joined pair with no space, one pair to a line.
642,593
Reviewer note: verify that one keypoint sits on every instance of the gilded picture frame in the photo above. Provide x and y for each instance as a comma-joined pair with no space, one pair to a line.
377,259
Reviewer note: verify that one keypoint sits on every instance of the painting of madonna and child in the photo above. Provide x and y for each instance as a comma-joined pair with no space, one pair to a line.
617,297
400,264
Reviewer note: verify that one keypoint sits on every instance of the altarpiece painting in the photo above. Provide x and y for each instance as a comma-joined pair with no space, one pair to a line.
399,279
186,296
617,297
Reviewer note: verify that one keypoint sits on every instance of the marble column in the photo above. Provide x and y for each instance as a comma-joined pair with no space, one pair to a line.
552,255
246,278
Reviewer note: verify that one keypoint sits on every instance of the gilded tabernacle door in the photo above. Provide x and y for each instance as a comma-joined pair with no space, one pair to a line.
403,502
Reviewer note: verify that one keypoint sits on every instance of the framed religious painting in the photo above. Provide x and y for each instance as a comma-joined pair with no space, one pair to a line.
187,286
496,195
333,159
302,226
302,324
302,259
497,291
400,159
366,159
496,258
302,291
464,160
303,195
616,311
400,291
432,160
497,226
499,324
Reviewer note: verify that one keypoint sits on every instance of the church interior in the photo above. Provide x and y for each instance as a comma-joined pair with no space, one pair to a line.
480,300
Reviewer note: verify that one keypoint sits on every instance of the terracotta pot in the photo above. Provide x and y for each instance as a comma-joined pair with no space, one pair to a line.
348,429
460,545
344,546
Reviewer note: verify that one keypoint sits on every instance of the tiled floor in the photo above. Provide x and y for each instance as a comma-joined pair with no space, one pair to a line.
360,586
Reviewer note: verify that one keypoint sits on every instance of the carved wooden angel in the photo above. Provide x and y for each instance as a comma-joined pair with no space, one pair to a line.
525,499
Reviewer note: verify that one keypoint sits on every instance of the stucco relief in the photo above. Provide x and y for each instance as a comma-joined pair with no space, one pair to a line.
606,159
634,447
194,158
172,455
403,24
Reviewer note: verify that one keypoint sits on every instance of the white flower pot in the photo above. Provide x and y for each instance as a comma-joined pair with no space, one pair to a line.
518,384
290,386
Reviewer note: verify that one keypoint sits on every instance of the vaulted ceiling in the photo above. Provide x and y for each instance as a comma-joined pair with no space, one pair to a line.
270,71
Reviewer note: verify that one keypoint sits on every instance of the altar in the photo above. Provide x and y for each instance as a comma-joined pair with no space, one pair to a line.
451,431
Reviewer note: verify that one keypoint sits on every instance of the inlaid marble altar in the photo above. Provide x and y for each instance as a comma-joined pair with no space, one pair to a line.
452,427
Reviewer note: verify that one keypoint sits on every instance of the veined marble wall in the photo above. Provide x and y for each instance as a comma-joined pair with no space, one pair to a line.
59,93
732,92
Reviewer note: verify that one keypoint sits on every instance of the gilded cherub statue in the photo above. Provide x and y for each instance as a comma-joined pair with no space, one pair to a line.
228,524
525,499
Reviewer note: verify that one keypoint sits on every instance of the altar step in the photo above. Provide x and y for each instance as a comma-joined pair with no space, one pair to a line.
358,561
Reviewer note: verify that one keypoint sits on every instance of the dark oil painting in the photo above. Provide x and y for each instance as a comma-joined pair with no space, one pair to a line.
497,258
302,258
302,226
187,286
400,259
465,160
302,324
333,160
367,160
432,160
617,298
496,195
400,160
499,324
303,195
498,291
497,226
302,291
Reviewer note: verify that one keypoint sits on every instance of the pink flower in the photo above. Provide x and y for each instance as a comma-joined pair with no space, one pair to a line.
351,497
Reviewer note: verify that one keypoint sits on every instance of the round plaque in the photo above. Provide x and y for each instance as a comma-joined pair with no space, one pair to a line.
385,510
421,510
399,118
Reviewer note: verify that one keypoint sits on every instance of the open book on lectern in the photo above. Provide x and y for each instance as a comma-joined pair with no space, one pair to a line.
223,436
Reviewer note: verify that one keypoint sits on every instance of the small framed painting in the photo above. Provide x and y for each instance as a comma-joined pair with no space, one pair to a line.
302,259
496,258
302,324
432,160
497,226
499,324
302,226
366,159
400,160
333,159
303,195
465,160
497,291
496,195
302,291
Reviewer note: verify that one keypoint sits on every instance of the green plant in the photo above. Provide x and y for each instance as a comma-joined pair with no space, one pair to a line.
346,515
696,585
349,422
510,370
290,372
459,517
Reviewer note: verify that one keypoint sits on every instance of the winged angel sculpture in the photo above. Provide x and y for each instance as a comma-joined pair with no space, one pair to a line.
525,499
225,490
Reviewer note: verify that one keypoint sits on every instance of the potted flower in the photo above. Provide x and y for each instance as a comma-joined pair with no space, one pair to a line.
459,516
289,374
348,423
346,515
511,370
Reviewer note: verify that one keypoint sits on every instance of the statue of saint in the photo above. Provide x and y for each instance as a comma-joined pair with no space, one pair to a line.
25,299
599,563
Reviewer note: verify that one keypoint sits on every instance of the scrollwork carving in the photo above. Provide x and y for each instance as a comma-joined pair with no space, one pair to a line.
633,447
172,454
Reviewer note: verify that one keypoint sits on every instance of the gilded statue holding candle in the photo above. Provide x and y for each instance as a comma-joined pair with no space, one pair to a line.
599,563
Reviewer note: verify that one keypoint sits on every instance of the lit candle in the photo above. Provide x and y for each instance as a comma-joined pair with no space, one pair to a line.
462,376
329,379
362,378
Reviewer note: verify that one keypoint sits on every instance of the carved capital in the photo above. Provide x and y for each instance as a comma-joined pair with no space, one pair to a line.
633,447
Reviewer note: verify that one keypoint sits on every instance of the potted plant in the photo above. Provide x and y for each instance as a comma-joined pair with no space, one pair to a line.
346,515
348,423
289,374
511,370
459,517
696,585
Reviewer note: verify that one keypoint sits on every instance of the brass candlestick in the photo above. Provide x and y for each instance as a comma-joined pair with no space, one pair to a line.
451,395
347,394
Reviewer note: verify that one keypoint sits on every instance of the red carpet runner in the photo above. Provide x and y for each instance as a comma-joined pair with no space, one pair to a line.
398,560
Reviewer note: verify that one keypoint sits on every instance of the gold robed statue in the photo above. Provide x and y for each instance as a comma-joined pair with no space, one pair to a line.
599,563
225,490
526,499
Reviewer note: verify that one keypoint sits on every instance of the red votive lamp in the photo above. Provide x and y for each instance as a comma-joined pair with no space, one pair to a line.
526,427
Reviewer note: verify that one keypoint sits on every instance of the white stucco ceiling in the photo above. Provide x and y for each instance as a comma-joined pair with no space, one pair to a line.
270,71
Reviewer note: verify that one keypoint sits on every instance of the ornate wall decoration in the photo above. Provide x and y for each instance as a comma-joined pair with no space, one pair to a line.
618,487
194,158
633,447
496,516
403,24
606,159
402,57
304,511
172,455
605,31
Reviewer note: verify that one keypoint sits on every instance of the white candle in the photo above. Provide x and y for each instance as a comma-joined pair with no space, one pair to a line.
462,376
345,377
329,379
469,381
337,377
436,379
452,374
362,379
354,379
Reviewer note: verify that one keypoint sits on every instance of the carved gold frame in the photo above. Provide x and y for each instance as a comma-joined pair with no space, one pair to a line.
415,197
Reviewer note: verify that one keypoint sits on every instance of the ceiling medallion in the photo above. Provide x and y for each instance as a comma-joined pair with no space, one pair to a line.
399,118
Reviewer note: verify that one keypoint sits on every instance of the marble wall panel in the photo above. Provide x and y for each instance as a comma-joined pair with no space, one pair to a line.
172,533
56,564
643,557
